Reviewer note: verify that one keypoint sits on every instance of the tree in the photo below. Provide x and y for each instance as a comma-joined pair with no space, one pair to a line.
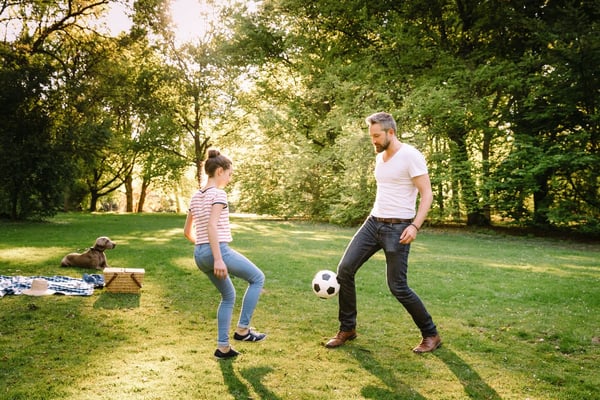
36,159
314,68
478,85
30,155
554,122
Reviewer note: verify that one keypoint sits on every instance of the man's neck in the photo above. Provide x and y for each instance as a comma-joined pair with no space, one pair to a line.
392,149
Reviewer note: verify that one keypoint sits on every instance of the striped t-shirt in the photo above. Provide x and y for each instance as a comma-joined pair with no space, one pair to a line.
200,207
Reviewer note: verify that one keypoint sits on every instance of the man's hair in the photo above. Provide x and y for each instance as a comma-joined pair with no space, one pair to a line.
384,119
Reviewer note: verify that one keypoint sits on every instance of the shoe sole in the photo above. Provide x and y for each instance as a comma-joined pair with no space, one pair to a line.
226,358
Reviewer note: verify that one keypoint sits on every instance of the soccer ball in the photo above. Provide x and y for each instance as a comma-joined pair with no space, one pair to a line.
325,284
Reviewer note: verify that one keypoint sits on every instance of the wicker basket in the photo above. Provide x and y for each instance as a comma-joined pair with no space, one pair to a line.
123,280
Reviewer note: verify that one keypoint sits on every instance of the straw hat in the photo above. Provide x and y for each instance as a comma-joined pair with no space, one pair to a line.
39,287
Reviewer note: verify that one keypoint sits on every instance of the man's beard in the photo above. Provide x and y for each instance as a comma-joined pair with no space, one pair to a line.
380,148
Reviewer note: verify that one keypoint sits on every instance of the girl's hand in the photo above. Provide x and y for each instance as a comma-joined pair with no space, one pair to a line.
220,269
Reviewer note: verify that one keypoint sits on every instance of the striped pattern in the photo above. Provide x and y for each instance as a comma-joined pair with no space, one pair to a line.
200,207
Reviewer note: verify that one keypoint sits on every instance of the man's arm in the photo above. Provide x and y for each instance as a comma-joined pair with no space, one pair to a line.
423,185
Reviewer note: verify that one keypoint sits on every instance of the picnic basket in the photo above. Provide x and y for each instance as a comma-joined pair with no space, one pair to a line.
123,280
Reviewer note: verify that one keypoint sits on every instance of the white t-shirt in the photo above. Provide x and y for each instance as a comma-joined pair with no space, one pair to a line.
200,207
396,194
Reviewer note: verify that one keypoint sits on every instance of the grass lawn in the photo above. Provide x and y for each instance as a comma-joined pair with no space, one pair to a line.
519,317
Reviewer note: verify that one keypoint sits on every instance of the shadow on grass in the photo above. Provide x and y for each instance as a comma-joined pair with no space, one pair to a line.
475,387
115,301
254,376
396,389
238,389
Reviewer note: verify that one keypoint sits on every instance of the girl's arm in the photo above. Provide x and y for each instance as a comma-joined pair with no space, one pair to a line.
220,269
188,230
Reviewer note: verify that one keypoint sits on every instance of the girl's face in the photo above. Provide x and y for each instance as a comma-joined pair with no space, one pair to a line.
223,176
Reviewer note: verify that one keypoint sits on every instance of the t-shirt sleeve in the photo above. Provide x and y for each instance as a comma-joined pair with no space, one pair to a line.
220,198
418,165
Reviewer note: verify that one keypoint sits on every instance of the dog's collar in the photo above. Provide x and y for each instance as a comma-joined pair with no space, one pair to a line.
94,248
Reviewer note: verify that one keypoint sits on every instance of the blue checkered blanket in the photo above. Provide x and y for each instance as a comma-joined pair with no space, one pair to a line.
60,284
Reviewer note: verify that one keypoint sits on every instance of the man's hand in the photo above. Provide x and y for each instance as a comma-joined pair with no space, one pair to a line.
409,234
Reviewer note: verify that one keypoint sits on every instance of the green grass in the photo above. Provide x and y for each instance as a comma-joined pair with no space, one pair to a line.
519,318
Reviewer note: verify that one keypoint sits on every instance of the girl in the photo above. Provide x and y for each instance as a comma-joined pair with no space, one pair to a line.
207,226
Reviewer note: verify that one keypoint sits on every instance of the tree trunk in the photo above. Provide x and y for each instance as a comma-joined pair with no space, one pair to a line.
485,174
464,174
94,200
129,193
143,193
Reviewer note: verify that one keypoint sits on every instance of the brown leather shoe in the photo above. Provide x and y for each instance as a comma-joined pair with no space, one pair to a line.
341,338
428,344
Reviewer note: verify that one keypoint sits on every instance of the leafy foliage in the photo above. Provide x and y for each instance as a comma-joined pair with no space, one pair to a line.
31,155
481,88
501,96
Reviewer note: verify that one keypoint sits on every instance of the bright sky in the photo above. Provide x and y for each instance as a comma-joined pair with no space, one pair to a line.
191,18
186,15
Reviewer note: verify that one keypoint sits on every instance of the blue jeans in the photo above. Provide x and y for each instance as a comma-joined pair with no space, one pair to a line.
238,266
369,239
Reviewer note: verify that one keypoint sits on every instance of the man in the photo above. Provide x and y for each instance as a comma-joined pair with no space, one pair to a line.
401,173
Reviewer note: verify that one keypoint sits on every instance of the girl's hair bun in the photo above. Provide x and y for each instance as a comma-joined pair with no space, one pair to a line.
213,153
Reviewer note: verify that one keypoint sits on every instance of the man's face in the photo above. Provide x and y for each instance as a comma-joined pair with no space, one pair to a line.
379,138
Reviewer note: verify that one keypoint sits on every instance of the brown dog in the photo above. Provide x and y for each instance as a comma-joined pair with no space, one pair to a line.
93,258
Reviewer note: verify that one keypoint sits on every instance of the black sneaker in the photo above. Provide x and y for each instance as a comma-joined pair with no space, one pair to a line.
251,336
219,355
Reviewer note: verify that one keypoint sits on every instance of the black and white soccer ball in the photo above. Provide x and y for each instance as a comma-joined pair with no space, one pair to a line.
325,284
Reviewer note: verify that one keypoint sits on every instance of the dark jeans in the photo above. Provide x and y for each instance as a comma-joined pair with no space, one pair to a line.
370,238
